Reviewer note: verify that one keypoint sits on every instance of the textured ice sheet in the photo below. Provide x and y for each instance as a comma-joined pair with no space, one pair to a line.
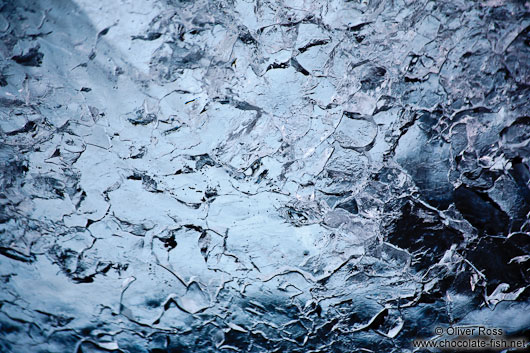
261,176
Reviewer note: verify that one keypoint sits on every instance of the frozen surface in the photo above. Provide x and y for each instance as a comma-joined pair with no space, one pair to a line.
261,176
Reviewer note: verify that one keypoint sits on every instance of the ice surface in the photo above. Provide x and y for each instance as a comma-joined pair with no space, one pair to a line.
261,176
